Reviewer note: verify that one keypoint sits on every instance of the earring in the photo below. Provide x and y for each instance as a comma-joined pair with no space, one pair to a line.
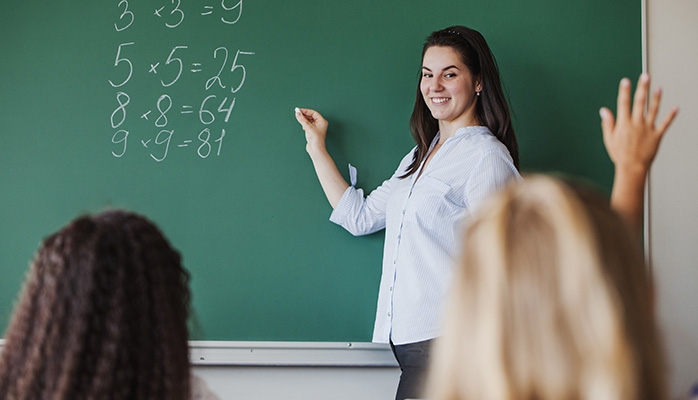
478,94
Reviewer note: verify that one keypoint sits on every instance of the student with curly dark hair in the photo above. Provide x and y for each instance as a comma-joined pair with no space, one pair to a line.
103,315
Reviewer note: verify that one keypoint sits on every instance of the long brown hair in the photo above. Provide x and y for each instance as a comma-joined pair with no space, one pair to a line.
103,315
491,109
551,300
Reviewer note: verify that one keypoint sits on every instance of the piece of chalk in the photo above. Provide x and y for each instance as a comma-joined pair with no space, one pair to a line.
297,110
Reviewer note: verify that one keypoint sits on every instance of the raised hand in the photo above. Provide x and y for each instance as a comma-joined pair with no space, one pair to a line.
632,141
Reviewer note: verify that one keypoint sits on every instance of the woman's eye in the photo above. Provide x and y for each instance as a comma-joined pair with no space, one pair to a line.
426,75
450,75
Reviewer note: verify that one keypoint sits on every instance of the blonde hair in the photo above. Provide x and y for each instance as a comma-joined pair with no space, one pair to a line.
551,300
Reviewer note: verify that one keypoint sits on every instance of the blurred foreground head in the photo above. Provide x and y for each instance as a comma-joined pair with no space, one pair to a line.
103,315
551,300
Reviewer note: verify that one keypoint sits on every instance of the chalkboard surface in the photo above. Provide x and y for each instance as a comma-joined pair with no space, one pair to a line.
183,110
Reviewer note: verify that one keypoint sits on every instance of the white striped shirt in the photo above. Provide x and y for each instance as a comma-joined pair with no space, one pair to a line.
422,218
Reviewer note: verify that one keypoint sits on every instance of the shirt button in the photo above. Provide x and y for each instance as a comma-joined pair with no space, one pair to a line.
388,314
391,289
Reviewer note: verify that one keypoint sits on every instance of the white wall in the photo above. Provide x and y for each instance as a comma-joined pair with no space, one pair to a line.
672,33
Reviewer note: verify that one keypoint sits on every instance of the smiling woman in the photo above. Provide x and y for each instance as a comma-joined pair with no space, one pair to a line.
449,90
466,52
466,149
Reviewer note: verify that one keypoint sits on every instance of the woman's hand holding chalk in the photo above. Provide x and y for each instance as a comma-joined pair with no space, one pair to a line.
307,116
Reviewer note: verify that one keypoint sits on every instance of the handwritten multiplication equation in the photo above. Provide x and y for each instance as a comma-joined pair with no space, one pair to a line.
220,84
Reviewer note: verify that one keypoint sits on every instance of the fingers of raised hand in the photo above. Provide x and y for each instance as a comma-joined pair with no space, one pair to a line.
649,119
623,106
653,108
653,111
640,101
607,123
667,121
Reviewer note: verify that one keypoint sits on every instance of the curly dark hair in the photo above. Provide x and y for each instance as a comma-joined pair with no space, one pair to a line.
103,315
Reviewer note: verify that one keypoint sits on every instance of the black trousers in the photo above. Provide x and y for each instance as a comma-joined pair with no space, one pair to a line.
414,362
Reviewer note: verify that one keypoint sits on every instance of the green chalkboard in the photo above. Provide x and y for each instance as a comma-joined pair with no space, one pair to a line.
183,110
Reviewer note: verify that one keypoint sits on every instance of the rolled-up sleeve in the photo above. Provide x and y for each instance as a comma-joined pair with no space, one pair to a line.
362,215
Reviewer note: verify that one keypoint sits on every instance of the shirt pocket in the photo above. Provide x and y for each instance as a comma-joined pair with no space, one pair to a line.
434,205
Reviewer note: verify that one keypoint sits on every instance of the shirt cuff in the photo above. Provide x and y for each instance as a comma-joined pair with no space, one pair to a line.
350,197
352,175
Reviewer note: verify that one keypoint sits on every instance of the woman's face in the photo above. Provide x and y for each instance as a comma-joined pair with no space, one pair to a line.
448,88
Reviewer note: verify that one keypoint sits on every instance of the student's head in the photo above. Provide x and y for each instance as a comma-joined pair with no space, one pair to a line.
103,314
551,300
490,107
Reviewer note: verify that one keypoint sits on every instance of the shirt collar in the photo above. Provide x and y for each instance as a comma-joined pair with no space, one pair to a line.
464,132
472,130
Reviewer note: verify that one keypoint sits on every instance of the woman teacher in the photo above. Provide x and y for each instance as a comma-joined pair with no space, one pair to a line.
466,149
